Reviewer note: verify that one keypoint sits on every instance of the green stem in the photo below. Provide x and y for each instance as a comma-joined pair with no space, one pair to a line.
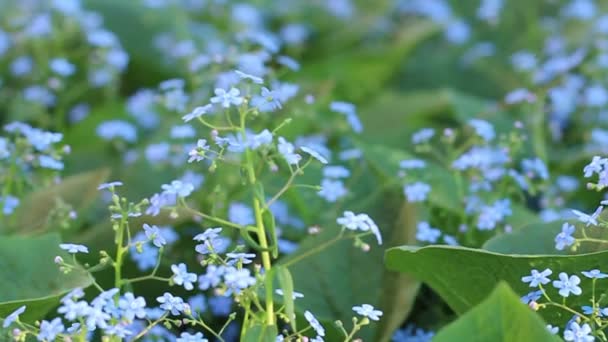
119,252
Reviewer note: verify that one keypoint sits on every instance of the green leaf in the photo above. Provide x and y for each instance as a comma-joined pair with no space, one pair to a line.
452,271
539,239
261,333
286,283
79,191
30,277
500,317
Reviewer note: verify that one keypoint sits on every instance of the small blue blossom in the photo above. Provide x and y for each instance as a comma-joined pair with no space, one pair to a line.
536,278
416,192
74,248
240,213
182,132
146,260
423,135
109,185
368,311
332,190
13,317
553,330
314,154
238,279
336,171
578,333
9,204
426,233
410,164
287,150
114,129
198,112
483,128
198,153
168,302
588,219
50,330
567,285
186,337
49,162
62,67
596,166
565,238
295,295
153,234
181,276
178,188
362,222
594,274
245,76
227,98
532,296
314,323
212,277
244,258
132,307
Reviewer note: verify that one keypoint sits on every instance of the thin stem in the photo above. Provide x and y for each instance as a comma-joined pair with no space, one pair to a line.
119,252
149,327
219,220
315,249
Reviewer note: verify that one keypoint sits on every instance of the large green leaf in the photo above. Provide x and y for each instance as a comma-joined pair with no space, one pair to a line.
500,317
30,277
78,191
463,277
539,239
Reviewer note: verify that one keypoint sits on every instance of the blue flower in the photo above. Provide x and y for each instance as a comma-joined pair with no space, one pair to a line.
197,112
332,190
564,238
536,278
181,276
146,259
532,296
62,67
178,188
240,213
416,192
423,135
567,285
49,162
483,128
113,129
596,166
238,279
425,233
154,235
295,295
186,337
336,171
245,258
314,154
410,164
132,307
50,330
74,248
245,76
594,274
368,311
362,222
314,323
578,333
170,303
287,150
553,330
109,185
227,98
13,317
588,219
10,203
